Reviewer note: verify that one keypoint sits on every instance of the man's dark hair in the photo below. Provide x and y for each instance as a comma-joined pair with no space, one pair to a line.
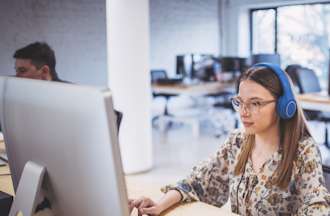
40,54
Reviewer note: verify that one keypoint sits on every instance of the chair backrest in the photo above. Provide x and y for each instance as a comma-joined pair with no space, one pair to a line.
307,80
292,72
158,74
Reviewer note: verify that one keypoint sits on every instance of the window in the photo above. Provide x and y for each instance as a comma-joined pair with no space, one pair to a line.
263,34
301,35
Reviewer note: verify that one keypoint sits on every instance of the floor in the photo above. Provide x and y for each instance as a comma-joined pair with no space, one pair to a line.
177,148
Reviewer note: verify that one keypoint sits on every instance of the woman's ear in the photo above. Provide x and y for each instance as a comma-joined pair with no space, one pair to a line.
45,73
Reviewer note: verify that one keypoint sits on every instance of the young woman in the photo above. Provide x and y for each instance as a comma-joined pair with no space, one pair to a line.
271,167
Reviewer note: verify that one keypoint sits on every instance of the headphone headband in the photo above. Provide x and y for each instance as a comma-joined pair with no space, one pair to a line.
286,104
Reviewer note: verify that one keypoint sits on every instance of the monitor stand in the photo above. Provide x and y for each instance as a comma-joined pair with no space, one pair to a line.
28,189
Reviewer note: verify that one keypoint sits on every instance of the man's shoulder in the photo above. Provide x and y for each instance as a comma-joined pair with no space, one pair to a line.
63,81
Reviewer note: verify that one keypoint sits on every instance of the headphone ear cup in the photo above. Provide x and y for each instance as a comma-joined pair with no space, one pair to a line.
286,108
279,108
291,108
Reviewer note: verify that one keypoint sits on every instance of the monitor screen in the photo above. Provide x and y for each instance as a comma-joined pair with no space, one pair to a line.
273,58
71,131
187,65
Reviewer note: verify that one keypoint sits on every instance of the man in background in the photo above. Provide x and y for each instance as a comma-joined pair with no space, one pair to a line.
37,61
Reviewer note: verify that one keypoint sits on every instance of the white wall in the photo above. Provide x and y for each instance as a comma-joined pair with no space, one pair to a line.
235,39
182,26
75,29
128,58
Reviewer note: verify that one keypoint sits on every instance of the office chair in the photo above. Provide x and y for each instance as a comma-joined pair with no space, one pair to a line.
307,82
292,72
156,76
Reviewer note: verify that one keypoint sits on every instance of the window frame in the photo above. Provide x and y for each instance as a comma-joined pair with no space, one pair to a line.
275,8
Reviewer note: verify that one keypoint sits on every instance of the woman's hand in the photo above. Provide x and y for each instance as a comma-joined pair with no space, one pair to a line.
146,206
130,205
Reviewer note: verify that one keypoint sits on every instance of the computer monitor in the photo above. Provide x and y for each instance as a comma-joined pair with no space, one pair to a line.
231,68
61,141
181,69
189,66
273,58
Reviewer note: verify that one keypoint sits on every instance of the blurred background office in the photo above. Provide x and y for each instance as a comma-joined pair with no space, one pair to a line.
172,65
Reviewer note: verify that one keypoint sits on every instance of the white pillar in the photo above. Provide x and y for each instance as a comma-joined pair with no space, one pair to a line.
129,79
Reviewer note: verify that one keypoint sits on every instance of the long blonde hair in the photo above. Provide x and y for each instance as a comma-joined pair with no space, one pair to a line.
291,130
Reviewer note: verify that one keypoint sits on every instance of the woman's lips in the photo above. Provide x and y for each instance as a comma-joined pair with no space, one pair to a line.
248,124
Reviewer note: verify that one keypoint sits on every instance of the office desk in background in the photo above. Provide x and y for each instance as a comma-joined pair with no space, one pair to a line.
135,190
196,93
198,89
315,101
312,101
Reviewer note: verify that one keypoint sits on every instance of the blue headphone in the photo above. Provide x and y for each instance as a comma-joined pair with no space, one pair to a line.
286,105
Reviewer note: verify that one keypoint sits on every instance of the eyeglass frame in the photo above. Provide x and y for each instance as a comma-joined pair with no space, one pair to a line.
247,105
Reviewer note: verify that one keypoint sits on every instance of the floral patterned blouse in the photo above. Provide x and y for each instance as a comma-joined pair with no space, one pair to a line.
251,193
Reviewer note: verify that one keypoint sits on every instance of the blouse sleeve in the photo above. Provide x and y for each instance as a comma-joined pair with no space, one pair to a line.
313,196
209,181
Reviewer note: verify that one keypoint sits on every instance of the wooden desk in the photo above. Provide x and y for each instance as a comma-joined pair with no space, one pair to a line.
193,89
135,190
5,180
315,101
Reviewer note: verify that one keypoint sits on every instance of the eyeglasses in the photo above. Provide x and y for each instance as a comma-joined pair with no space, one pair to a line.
252,107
